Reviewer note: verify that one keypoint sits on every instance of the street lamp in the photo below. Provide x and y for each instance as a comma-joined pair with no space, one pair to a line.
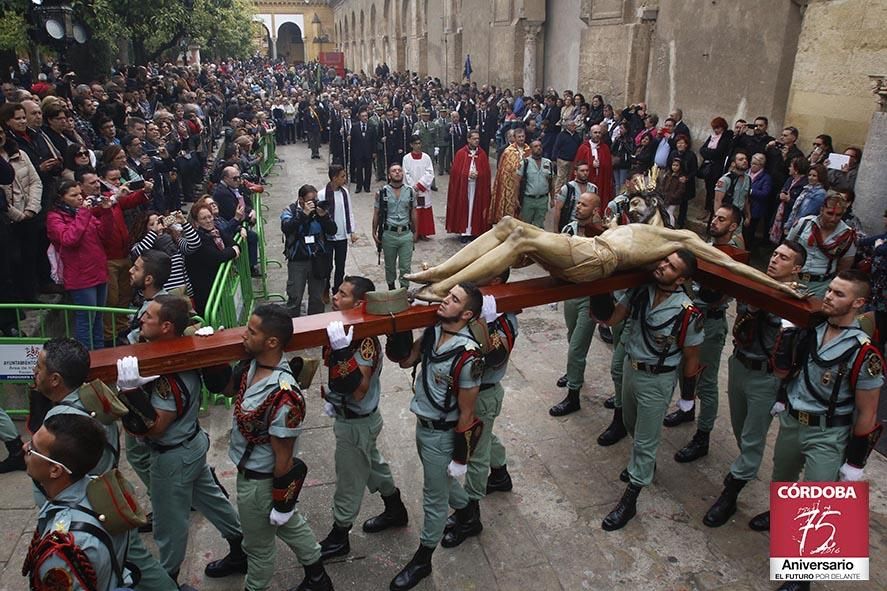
54,23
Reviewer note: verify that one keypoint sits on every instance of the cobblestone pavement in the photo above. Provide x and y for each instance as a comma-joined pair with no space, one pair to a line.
545,534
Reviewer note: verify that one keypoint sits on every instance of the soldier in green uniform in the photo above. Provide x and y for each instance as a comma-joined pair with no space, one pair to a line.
722,231
268,413
537,182
830,243
180,476
665,333
751,385
353,399
830,373
426,129
616,431
70,550
148,273
60,372
446,426
443,147
580,325
394,218
569,195
375,122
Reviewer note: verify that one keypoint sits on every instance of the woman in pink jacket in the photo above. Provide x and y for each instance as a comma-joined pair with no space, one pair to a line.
74,227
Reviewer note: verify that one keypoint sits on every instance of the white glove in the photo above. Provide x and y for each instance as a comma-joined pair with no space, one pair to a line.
329,410
777,408
436,151
204,331
457,470
488,309
850,473
128,377
339,339
787,323
277,518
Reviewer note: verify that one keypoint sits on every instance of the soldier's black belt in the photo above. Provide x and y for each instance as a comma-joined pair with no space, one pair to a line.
752,364
347,413
536,196
650,368
715,314
437,425
806,277
486,387
812,420
162,449
390,228
253,475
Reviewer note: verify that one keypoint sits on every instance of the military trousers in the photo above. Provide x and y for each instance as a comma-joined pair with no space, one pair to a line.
139,457
181,479
818,451
254,503
379,162
359,465
618,359
8,432
751,394
397,249
580,331
534,209
710,357
153,576
489,450
645,400
439,489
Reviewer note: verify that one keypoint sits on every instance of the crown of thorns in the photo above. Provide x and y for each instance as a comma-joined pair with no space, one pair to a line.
647,182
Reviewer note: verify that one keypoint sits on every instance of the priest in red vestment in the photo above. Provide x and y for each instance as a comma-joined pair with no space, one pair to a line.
600,164
468,196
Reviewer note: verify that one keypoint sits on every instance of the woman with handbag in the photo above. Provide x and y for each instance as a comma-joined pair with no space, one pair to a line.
714,151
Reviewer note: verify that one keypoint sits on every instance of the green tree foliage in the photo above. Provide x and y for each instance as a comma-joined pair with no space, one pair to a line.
13,27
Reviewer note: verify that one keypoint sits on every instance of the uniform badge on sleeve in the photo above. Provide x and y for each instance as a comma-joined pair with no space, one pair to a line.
874,366
477,369
162,388
368,349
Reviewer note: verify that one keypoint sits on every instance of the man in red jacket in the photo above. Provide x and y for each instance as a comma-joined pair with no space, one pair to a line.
116,244
600,164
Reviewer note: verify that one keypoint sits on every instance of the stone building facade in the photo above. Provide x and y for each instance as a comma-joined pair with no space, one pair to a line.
295,30
799,62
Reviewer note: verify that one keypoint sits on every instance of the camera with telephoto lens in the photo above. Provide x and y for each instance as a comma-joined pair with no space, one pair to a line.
324,205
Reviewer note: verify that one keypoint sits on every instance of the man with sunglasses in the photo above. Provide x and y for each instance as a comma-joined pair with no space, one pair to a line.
60,373
231,202
71,549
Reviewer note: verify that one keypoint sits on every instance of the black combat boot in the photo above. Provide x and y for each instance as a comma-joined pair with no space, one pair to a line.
562,381
336,543
315,579
416,569
610,402
795,586
697,448
615,432
624,511
391,286
16,459
394,515
232,564
725,506
467,525
673,419
568,405
760,522
499,480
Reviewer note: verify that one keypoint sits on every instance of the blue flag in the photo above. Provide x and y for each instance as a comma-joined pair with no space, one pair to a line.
468,70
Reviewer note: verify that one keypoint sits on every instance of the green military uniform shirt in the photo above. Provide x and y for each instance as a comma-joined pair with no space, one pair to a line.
367,353
427,132
652,332
822,376
755,332
181,396
539,174
57,515
433,380
133,335
399,208
818,263
71,404
285,424
576,190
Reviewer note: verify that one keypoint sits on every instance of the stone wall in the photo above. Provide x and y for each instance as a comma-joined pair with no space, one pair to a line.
842,42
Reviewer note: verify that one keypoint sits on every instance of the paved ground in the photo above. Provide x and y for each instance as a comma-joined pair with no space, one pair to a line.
545,534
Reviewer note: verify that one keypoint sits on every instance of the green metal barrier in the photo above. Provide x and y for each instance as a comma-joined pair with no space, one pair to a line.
19,354
268,150
264,262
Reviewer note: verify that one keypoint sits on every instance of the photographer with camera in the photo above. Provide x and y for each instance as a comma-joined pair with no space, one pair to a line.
305,225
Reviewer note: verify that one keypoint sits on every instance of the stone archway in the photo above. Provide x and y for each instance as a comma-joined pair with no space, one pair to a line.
290,45
262,39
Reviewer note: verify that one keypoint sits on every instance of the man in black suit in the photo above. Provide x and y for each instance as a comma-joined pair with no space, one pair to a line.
487,121
458,132
234,205
680,128
363,141
391,136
